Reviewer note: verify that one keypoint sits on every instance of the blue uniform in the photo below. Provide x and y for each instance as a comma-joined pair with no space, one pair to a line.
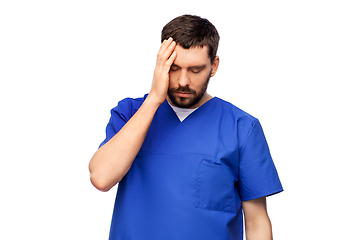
189,178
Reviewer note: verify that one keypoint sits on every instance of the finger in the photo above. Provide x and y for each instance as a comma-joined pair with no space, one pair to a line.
171,60
163,47
166,43
168,52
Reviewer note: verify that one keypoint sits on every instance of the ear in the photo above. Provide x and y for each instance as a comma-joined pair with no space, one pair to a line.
215,65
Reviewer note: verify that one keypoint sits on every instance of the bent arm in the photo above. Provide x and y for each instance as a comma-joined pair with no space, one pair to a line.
113,160
257,222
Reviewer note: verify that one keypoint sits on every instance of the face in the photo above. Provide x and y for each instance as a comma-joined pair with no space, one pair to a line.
189,77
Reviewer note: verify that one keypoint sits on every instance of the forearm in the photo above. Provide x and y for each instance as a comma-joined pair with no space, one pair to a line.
113,160
257,221
261,230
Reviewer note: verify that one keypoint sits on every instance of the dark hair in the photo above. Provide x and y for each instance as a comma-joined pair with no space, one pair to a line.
192,31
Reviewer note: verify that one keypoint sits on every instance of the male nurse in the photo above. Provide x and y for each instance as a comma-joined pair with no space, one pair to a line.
187,165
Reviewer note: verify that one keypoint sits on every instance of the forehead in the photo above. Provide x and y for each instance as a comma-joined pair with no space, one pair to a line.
192,57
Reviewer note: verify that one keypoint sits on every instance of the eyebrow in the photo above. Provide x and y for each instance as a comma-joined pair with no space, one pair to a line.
198,67
192,67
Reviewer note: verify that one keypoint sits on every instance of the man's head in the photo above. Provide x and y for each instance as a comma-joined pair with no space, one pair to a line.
192,31
196,61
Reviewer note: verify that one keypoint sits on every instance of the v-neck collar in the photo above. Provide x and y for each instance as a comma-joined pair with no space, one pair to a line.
203,106
167,128
183,113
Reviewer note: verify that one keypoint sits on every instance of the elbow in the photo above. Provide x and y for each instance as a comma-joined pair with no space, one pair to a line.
103,177
97,179
99,183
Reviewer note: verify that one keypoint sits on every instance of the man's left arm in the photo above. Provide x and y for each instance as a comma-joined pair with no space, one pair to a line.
257,222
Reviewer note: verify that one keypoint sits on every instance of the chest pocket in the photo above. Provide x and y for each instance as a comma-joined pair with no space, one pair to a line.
215,187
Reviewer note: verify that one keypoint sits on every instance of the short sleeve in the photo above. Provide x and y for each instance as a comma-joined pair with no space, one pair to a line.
258,176
120,115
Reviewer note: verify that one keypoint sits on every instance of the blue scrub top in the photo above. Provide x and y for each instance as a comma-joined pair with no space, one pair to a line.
189,178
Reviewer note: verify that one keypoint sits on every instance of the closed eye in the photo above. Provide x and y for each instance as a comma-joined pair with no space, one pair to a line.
197,69
174,67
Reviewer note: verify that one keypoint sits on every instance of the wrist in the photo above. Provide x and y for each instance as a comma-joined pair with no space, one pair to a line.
154,100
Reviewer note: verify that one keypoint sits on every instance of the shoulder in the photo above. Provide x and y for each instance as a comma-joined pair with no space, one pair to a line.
235,112
127,107
237,121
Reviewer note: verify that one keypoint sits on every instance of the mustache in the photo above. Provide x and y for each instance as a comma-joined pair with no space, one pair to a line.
185,89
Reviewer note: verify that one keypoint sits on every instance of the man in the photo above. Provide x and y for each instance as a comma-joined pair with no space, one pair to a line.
188,164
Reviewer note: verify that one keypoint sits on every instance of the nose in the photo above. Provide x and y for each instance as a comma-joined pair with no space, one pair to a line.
184,79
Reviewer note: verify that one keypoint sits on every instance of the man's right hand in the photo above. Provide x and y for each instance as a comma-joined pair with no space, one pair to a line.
165,58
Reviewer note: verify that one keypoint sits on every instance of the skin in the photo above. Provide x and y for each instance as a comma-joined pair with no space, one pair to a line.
257,221
184,73
189,77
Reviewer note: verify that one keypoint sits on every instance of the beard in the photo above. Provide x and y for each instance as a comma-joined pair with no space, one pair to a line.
193,99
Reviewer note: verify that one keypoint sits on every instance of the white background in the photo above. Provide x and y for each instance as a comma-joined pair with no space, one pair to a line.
295,65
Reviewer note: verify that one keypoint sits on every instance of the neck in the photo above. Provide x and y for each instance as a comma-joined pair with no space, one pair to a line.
206,97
